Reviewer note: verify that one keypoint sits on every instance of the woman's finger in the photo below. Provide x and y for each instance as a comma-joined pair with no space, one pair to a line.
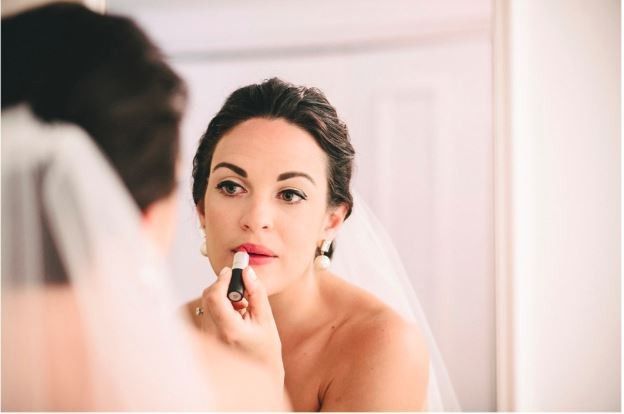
241,304
215,301
257,298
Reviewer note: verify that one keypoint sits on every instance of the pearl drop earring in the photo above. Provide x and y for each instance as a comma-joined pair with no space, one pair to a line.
322,261
203,248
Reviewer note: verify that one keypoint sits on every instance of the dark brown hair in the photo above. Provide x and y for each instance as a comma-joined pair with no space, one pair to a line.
102,73
307,108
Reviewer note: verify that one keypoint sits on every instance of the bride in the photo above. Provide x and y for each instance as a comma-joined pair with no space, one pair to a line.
272,177
90,118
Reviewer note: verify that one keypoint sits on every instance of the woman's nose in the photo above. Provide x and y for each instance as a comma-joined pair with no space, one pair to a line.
257,216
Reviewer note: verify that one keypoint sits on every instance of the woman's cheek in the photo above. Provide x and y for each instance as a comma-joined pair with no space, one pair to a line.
301,257
216,241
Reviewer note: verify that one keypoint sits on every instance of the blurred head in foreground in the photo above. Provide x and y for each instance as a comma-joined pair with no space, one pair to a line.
101,73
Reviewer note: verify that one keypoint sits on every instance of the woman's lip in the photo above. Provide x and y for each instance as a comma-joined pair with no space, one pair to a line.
258,254
255,249
258,259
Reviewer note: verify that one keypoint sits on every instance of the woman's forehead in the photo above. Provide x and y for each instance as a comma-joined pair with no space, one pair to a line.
271,145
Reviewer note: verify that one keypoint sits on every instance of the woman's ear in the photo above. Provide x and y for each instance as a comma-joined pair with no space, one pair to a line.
201,214
333,221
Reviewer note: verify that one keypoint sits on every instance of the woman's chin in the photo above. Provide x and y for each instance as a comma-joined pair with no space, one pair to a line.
269,278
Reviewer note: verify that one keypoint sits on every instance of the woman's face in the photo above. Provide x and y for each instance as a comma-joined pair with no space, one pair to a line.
267,194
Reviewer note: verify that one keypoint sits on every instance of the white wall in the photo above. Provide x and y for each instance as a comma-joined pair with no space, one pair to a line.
558,194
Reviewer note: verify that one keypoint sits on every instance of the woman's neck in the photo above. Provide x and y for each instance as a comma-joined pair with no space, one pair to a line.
298,308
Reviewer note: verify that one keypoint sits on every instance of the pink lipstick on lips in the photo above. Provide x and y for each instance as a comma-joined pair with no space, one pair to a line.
258,254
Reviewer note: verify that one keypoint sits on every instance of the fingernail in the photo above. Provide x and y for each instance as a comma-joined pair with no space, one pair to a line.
252,273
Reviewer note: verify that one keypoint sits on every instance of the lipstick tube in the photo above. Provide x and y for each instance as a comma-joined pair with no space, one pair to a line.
236,289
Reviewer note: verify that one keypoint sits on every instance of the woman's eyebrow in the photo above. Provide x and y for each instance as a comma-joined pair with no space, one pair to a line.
238,170
283,176
291,174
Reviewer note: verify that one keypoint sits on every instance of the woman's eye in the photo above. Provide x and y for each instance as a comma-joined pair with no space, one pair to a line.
230,188
292,196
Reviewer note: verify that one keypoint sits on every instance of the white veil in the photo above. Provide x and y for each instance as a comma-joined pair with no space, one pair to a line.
366,257
71,230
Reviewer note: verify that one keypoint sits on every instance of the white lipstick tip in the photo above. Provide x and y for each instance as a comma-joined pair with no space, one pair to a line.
241,260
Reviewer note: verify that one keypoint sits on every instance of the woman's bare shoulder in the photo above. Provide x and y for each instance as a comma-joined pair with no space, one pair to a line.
380,360
60,350
364,315
373,326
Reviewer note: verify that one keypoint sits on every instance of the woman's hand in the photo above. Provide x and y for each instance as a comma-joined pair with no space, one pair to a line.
247,325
